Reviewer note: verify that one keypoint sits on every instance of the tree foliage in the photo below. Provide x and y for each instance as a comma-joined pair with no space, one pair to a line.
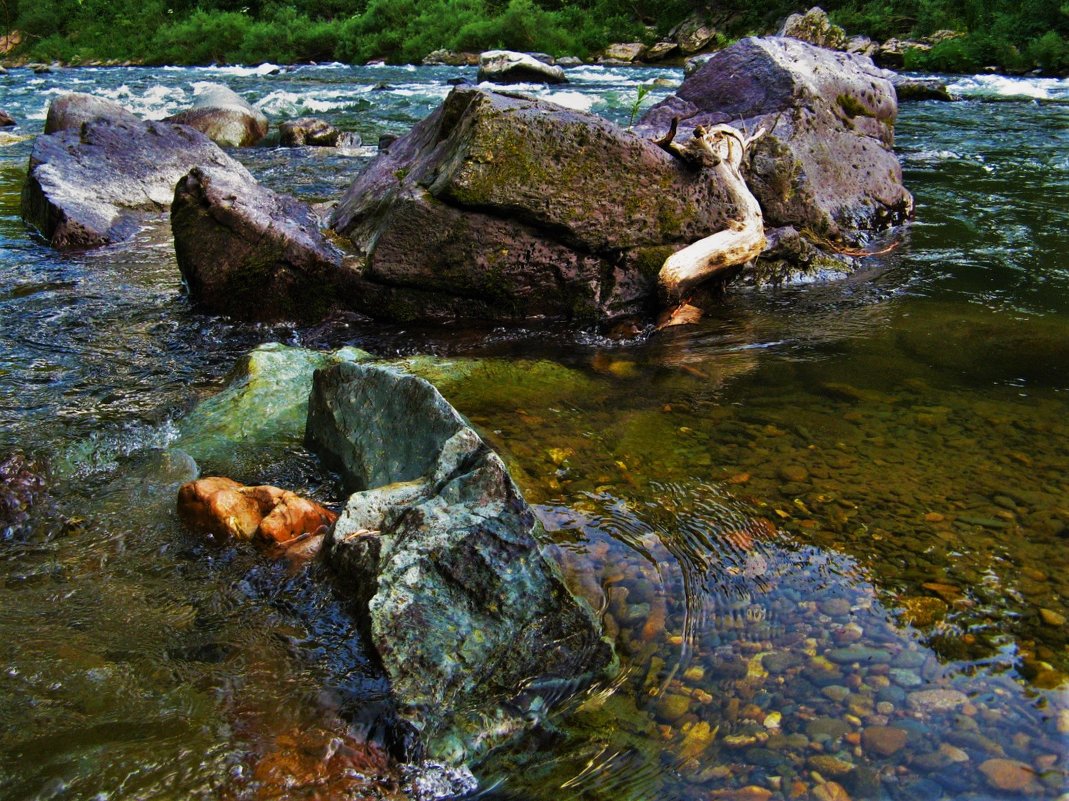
1009,34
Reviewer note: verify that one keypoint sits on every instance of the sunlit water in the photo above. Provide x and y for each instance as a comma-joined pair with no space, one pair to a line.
827,527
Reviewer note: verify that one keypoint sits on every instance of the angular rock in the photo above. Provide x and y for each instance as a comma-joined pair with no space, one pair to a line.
223,507
506,208
224,117
907,89
507,66
861,46
314,132
94,185
659,51
451,58
815,28
892,53
693,34
626,52
74,109
249,252
442,554
827,164
6,120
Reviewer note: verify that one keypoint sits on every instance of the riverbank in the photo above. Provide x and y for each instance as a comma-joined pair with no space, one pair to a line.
1007,41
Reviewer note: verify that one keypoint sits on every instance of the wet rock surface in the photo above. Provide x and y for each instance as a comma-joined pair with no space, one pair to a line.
23,485
224,116
507,66
441,551
314,132
249,252
827,164
95,184
74,109
499,207
225,508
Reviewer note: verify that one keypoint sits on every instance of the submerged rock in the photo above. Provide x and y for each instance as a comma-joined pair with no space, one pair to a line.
263,407
441,551
225,508
498,207
507,66
22,486
827,165
6,120
75,109
224,117
93,185
249,252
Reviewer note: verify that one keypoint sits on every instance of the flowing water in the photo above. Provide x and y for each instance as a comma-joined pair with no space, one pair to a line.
828,527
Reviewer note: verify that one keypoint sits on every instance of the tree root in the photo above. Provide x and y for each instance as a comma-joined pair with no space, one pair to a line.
721,150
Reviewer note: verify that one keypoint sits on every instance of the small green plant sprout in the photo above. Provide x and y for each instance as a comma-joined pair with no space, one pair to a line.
643,90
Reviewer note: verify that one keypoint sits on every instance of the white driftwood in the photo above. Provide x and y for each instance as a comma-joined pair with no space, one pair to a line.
721,148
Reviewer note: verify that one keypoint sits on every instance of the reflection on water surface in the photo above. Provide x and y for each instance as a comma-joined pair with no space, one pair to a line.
827,528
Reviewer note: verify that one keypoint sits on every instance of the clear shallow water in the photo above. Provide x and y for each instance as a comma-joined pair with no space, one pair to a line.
830,511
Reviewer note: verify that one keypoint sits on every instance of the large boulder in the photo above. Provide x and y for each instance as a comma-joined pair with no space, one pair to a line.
224,117
249,252
95,184
74,109
442,555
505,208
507,66
827,165
814,27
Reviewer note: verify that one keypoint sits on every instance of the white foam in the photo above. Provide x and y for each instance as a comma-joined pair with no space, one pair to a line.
295,103
239,69
576,101
1004,86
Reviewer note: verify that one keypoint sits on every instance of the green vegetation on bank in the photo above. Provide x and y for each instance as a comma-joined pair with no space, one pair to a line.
1012,35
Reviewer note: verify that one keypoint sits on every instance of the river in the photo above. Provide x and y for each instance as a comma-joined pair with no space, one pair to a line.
828,527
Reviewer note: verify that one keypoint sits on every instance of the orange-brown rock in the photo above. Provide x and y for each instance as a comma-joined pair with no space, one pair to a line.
223,507
1008,774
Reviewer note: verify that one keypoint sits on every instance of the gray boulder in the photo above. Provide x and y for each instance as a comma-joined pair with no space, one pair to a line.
908,88
74,109
224,117
451,58
659,51
815,28
625,52
827,165
442,554
693,34
498,207
507,66
249,252
314,132
96,184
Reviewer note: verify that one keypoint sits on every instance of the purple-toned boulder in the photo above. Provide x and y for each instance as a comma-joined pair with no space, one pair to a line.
249,252
827,166
224,116
75,109
95,184
498,207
